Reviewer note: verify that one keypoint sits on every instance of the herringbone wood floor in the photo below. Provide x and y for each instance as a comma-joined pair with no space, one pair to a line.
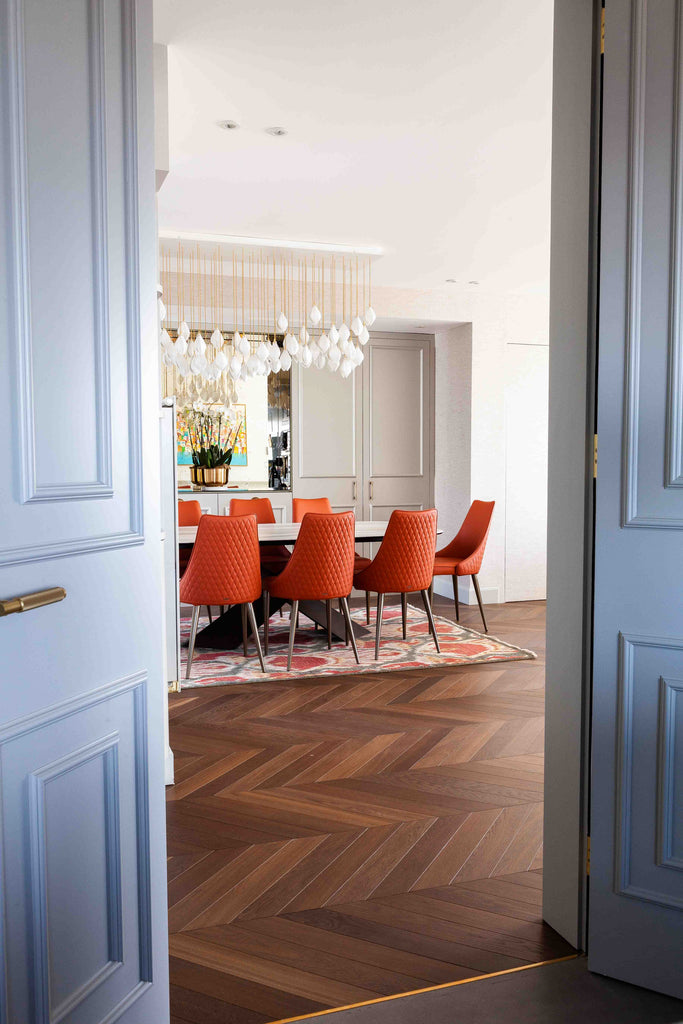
334,840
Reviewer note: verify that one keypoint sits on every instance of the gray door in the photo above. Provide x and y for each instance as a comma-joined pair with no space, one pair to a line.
82,892
636,879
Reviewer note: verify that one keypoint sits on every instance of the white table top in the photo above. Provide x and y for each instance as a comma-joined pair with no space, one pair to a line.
287,533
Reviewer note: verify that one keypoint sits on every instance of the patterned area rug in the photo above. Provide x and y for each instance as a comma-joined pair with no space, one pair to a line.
459,646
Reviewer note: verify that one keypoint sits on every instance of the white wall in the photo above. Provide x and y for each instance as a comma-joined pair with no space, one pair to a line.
526,471
453,433
497,321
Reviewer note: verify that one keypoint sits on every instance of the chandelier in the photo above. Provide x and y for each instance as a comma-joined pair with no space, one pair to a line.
288,307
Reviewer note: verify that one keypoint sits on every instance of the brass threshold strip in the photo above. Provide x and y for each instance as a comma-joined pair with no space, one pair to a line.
420,991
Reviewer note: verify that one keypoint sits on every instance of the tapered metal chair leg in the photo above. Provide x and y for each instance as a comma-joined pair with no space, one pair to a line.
254,629
430,617
378,631
456,598
431,592
222,609
481,606
367,607
292,631
328,604
266,620
208,608
349,628
193,636
346,630
244,628
404,614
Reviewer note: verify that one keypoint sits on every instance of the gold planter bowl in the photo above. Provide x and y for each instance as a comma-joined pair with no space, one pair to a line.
213,477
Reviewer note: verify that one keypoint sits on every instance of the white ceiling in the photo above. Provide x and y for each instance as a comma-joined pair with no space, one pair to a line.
423,128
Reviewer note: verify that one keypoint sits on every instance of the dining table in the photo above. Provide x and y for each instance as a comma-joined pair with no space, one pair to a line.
225,632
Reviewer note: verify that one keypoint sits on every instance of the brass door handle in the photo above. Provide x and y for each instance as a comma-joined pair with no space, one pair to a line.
371,490
27,602
354,490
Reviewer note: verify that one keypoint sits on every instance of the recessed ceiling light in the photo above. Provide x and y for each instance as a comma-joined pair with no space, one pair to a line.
276,130
228,126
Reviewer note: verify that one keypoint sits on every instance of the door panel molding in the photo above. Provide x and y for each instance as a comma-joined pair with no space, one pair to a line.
670,692
106,750
375,350
630,515
674,411
303,435
625,765
32,808
31,490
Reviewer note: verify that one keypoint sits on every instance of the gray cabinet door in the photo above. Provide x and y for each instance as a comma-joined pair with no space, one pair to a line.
636,881
398,425
327,437
82,890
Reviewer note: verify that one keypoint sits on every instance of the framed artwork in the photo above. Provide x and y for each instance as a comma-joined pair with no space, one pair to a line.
239,454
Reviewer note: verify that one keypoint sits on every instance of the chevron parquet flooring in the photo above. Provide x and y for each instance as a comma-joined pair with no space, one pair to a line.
335,840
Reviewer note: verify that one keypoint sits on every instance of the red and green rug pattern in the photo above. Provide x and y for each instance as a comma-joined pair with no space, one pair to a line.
459,646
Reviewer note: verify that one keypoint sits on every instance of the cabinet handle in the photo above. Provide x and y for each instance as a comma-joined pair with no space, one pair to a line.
371,490
354,490
27,602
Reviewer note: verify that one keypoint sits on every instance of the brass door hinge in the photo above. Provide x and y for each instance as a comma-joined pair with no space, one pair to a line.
174,686
595,456
588,855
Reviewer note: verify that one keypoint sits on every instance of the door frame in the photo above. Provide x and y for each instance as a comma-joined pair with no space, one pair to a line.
573,357
573,303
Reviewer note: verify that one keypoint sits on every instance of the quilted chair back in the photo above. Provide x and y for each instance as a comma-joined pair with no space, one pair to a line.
321,565
405,561
225,566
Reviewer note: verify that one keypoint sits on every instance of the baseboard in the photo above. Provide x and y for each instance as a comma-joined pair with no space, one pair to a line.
443,585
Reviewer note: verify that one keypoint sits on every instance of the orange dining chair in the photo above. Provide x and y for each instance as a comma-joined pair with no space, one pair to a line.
274,557
189,514
300,506
402,565
320,569
224,568
464,555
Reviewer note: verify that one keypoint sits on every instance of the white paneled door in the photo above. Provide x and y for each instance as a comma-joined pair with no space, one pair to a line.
81,679
367,442
398,424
